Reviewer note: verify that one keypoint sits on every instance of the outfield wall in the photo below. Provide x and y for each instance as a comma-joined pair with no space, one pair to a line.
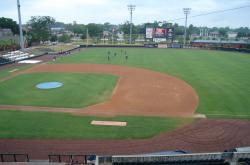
120,46
197,158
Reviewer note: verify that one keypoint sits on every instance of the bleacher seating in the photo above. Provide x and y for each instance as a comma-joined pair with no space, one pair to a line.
4,61
14,56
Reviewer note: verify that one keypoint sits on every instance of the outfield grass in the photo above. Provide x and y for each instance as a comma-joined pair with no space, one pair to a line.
45,125
78,90
221,79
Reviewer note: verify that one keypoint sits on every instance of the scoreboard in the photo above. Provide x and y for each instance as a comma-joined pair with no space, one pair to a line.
159,34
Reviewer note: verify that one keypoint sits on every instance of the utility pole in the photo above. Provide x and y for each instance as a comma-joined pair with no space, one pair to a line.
131,8
186,12
20,25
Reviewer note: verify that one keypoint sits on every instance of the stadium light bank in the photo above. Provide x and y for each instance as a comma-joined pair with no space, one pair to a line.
131,8
186,12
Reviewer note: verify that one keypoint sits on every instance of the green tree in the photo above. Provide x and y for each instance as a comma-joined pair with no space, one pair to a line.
107,26
84,36
10,24
40,28
178,30
243,32
222,32
141,29
78,29
95,30
126,28
64,38
53,38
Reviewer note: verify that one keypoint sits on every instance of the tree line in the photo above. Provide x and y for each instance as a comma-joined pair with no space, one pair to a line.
38,28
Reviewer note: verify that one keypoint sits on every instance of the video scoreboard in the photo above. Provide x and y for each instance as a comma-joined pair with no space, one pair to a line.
159,34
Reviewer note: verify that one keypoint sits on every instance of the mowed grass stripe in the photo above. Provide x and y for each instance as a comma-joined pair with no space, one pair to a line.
47,125
78,90
221,79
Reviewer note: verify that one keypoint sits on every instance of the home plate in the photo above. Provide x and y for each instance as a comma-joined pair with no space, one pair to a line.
109,123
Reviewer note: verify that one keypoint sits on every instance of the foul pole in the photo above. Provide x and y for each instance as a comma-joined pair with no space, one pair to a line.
20,25
131,8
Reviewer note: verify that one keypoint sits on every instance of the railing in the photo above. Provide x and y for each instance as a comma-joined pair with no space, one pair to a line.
198,158
14,157
72,159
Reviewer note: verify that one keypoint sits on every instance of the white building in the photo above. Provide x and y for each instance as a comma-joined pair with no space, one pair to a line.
5,33
232,35
215,35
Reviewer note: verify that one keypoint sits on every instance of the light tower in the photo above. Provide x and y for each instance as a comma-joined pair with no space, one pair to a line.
131,8
20,25
186,12
87,36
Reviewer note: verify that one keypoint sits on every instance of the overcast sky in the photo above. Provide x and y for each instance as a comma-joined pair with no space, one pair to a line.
115,11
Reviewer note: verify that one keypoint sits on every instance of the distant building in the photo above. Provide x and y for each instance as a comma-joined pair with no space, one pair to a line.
232,35
214,35
106,34
120,36
6,33
194,36
69,33
219,43
203,32
57,29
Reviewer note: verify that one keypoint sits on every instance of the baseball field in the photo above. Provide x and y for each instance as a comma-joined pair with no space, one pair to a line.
158,92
